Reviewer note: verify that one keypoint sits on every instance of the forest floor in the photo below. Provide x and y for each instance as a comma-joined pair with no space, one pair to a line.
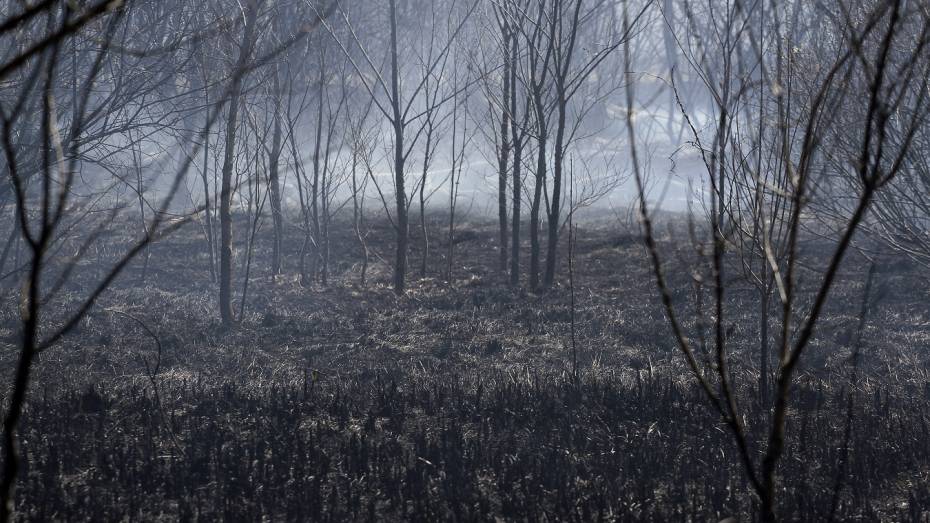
456,400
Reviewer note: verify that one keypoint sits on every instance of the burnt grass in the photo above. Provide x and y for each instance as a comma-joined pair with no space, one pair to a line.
456,401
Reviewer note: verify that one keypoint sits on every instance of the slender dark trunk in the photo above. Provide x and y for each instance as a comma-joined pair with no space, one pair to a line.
315,184
537,193
400,261
256,203
515,216
554,209
453,193
143,226
764,343
208,214
517,175
504,155
302,196
324,223
14,412
226,310
423,230
274,157
450,238
323,240
400,194
209,206
358,214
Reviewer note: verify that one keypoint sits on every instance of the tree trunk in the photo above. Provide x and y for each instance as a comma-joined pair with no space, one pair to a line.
515,216
537,193
255,201
315,184
400,260
14,412
302,197
764,345
226,310
504,152
208,214
455,176
423,229
325,183
136,150
358,213
517,175
274,157
554,209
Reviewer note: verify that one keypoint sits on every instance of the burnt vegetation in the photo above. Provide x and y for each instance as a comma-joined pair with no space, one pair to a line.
469,260
455,401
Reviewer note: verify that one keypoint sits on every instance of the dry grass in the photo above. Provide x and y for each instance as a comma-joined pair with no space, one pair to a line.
453,401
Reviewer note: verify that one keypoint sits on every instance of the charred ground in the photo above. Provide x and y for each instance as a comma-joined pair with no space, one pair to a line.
454,401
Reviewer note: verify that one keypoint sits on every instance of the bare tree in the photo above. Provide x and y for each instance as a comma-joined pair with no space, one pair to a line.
43,195
399,105
459,146
47,151
868,57
362,143
573,27
500,70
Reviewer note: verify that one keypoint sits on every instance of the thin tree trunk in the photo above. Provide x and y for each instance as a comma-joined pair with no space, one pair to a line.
27,355
302,197
504,151
208,214
764,344
453,192
554,209
137,164
515,216
537,193
400,260
274,157
453,197
423,230
226,310
315,185
517,175
325,182
358,214
257,203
